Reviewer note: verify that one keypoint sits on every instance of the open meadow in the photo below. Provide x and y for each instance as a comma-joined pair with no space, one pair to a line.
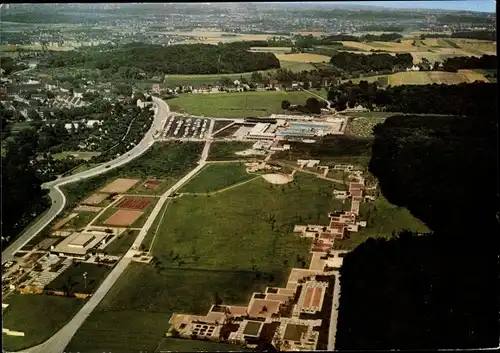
236,105
35,316
303,57
214,177
224,151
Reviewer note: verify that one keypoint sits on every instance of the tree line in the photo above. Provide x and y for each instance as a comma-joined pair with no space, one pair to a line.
481,35
461,99
351,63
487,62
151,60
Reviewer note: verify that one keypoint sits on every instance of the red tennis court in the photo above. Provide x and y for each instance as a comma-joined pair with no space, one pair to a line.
152,183
134,204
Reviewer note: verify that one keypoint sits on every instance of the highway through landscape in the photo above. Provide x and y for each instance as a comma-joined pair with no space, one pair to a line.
57,196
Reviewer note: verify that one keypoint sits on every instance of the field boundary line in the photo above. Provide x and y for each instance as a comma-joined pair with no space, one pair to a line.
234,185
158,226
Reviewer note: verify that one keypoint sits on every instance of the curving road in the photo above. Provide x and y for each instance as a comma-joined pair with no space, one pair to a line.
58,342
57,196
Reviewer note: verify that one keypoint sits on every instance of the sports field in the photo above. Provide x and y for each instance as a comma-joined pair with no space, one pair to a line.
35,315
236,105
217,176
123,213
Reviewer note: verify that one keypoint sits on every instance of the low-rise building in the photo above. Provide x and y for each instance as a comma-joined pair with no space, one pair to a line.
79,245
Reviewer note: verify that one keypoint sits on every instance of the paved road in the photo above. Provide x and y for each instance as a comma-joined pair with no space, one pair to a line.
57,196
58,342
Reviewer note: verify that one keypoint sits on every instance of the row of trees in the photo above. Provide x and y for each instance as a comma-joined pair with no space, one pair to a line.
350,62
144,60
481,35
310,41
487,62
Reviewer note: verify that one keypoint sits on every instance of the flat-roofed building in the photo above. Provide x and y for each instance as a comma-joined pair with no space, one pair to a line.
78,245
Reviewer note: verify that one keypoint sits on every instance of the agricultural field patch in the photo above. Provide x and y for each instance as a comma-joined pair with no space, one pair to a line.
303,57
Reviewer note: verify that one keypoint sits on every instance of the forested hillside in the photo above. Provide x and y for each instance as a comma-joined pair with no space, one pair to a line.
138,60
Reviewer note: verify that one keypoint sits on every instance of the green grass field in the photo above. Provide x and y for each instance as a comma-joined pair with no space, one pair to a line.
224,151
217,176
81,220
72,278
235,229
236,105
77,154
38,316
143,300
383,219
122,243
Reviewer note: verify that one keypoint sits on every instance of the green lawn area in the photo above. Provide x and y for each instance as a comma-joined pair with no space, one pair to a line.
383,219
80,221
217,176
296,66
168,160
72,278
185,345
83,167
134,314
234,229
38,316
76,154
122,243
219,124
223,151
236,105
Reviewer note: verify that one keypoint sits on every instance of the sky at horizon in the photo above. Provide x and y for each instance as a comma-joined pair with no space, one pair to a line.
471,5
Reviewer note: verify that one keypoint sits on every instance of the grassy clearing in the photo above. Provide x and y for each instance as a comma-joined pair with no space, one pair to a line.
81,221
223,151
144,298
228,132
35,315
148,239
77,155
303,57
217,176
235,229
383,219
83,167
297,66
71,280
122,243
362,126
140,189
236,105
219,124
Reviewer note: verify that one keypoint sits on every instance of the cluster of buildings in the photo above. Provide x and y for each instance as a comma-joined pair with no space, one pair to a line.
295,317
291,128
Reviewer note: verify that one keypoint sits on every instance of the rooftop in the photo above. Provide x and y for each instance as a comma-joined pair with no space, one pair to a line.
79,243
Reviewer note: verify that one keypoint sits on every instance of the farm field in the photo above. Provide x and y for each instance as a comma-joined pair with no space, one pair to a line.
143,300
383,219
427,77
35,316
303,57
217,176
244,226
223,151
236,105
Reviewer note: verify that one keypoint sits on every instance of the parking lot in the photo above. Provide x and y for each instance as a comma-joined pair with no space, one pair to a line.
192,128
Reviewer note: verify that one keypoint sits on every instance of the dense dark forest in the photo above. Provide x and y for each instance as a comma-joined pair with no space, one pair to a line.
487,62
350,62
482,35
438,290
138,60
462,99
